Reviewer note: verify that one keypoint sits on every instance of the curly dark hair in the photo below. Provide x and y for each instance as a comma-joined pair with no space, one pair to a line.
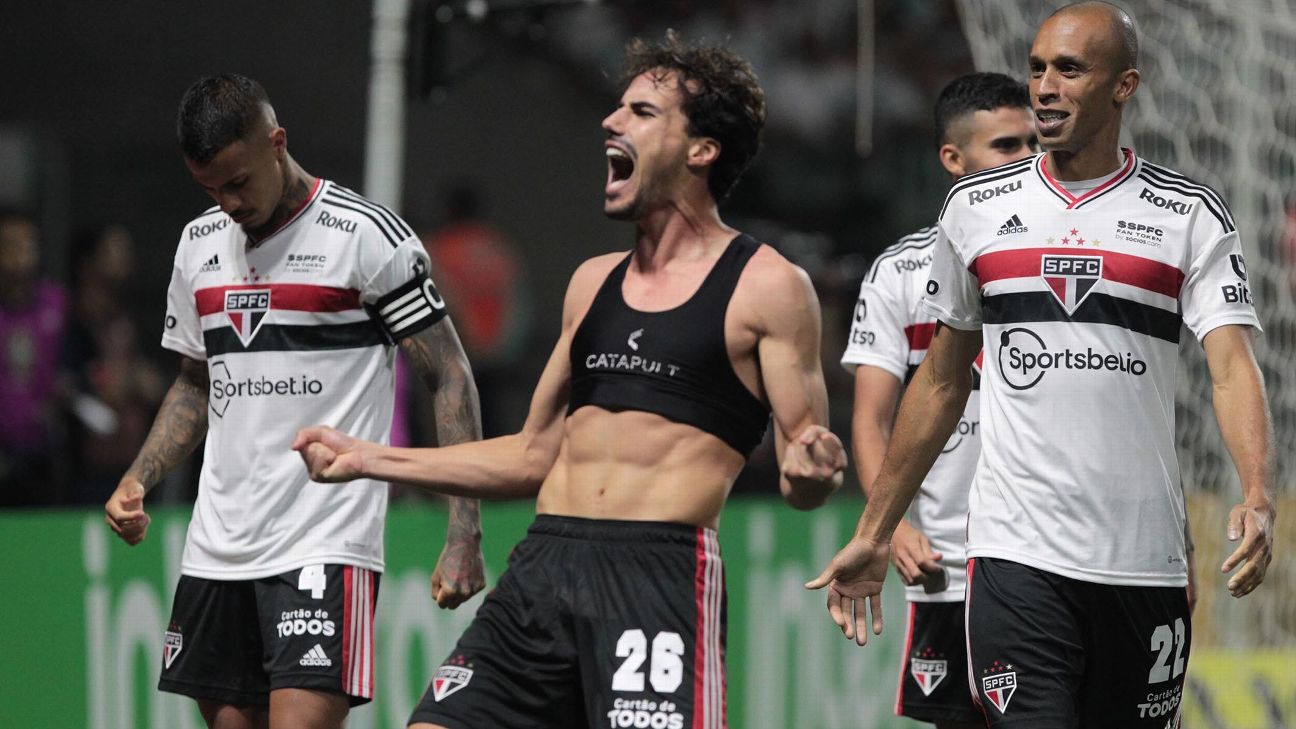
217,111
722,99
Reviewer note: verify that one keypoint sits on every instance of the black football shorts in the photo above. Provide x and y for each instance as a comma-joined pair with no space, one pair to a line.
235,641
1051,652
933,669
595,623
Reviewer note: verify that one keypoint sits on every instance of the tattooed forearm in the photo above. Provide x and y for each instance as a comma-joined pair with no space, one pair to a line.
465,519
180,425
438,358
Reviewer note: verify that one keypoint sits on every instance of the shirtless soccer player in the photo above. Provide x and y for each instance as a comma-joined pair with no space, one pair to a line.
670,360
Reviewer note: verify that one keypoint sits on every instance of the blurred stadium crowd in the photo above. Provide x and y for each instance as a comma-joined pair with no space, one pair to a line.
80,372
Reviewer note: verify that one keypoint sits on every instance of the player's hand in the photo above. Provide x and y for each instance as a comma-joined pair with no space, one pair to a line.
124,511
1253,524
460,571
815,454
854,580
330,455
912,555
813,463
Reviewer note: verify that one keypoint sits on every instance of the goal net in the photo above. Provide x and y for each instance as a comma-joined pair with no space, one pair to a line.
1217,103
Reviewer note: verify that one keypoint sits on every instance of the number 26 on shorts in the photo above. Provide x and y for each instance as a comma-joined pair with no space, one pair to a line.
665,670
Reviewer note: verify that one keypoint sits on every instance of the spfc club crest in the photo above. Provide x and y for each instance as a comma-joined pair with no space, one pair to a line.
449,679
928,674
999,689
1071,278
171,646
246,309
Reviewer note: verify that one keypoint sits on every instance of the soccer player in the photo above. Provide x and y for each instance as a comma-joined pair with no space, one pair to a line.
983,120
1077,613
286,303
671,358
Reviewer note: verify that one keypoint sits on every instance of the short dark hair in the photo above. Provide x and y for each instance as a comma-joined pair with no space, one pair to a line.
217,111
981,91
722,99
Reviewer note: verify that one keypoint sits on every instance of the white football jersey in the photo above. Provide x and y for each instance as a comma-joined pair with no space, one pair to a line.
891,331
295,332
1081,300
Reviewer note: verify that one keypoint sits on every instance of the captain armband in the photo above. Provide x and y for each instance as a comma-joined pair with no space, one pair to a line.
412,307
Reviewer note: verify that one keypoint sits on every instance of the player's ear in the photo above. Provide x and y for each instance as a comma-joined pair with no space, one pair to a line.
1127,82
951,158
703,151
279,141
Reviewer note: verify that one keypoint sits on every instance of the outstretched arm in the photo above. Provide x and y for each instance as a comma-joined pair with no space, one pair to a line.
178,428
929,412
1243,415
511,466
507,467
437,357
811,459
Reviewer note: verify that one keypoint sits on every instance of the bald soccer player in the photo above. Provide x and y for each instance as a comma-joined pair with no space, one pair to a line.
1077,608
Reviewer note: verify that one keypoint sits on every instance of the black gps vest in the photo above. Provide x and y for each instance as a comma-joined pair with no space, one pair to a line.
671,363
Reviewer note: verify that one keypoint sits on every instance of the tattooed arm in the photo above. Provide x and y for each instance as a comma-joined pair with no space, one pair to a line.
438,359
180,425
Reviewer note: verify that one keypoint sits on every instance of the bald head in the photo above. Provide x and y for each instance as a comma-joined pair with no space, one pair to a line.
1123,40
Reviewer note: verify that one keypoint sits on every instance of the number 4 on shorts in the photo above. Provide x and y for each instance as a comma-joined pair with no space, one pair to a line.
312,578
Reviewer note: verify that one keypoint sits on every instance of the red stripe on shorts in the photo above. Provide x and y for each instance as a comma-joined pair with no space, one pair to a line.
904,660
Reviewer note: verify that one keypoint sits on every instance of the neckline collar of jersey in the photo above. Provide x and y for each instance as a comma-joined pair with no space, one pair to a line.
1072,201
254,244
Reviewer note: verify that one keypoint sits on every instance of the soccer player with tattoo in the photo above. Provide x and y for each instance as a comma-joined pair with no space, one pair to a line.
287,302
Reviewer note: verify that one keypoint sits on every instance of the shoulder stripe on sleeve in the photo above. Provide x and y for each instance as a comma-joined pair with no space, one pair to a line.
393,239
924,238
396,222
993,174
1225,220
1169,177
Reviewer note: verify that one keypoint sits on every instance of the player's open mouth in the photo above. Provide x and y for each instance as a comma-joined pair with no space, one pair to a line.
620,168
1048,120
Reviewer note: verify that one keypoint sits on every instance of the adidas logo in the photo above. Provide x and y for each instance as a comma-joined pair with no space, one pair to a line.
1012,225
315,657
212,264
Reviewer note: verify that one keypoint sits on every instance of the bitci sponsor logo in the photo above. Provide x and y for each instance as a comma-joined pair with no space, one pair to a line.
1024,359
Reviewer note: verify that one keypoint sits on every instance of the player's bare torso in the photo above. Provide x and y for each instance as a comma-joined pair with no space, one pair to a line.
640,466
